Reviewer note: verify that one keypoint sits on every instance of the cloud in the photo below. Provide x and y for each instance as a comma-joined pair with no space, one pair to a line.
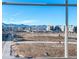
28,22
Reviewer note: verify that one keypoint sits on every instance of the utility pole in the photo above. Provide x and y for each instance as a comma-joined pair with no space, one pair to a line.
66,32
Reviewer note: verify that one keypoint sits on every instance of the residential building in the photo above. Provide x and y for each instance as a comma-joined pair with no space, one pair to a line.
71,28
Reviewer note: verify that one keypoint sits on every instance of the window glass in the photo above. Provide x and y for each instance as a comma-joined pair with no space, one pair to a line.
38,1
72,1
34,15
72,15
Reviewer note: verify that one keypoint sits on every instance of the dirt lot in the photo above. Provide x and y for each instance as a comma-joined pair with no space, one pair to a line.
43,36
43,50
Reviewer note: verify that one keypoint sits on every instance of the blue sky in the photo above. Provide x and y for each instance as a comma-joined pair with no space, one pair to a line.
39,15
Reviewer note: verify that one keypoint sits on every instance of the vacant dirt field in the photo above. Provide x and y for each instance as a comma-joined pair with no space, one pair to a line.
43,50
43,37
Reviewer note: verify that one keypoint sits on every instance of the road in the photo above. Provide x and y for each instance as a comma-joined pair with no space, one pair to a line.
43,42
6,51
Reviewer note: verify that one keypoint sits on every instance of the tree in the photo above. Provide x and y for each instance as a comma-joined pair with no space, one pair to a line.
57,29
75,29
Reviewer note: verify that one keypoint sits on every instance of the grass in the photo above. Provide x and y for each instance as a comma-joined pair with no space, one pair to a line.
42,37
30,37
43,50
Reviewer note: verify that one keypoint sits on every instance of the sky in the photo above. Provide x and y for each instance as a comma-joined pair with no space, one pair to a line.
39,15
